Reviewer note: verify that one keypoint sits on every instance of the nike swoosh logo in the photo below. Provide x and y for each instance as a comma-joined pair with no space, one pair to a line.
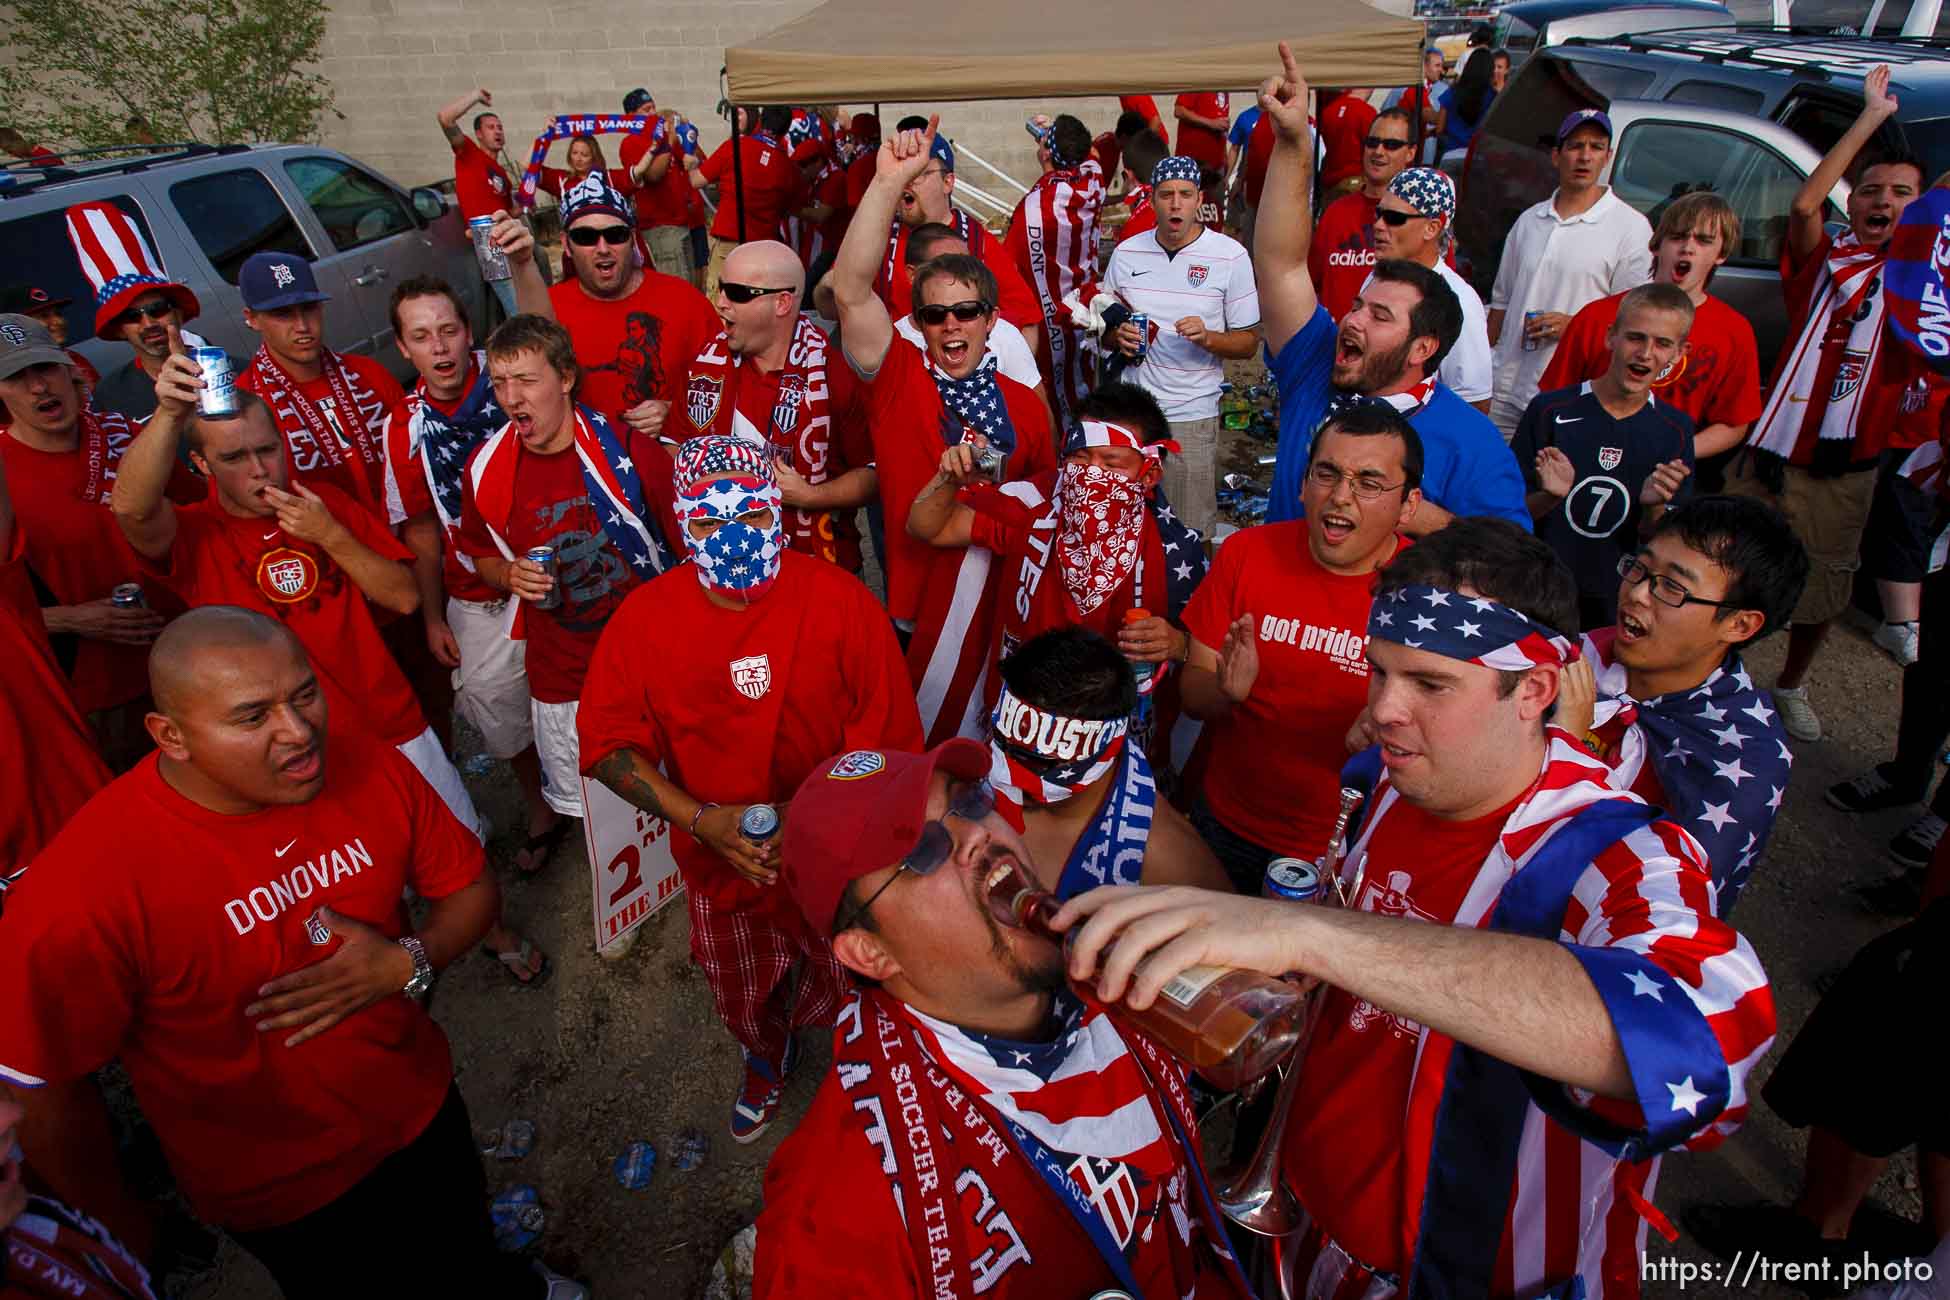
1136,274
271,536
287,848
1576,419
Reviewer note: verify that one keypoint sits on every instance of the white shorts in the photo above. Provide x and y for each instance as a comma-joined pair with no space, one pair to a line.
560,749
424,752
491,684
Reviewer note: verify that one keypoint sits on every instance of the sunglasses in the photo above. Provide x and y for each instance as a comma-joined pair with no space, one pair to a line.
154,311
1382,142
746,292
1398,219
971,802
936,313
590,236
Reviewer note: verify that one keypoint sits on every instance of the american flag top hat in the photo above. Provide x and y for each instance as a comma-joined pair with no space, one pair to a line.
119,264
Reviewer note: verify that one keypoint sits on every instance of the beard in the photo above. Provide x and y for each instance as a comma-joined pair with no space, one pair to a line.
1380,369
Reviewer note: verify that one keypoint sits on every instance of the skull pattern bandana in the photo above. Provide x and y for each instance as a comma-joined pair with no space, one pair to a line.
1100,523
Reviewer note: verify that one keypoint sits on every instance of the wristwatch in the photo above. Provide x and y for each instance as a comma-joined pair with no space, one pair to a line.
422,968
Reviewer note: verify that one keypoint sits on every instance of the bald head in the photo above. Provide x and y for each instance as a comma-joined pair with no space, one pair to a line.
178,662
766,264
762,326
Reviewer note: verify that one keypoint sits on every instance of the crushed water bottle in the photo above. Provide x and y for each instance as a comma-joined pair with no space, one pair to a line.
518,1218
635,1166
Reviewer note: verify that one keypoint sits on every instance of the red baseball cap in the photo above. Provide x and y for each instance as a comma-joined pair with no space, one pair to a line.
858,812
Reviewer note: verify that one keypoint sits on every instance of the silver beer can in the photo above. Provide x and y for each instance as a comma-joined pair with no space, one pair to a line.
219,395
1292,879
494,262
545,556
759,823
127,595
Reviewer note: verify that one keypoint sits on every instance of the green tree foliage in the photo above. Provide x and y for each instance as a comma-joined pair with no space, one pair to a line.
217,71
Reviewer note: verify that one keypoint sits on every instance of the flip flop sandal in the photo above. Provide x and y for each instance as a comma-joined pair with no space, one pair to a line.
540,849
517,960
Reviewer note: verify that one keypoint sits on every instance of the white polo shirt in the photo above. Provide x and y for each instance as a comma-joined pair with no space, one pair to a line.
1553,264
1211,278
1468,369
1006,344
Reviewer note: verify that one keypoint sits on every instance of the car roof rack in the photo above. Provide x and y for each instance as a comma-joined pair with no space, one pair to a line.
26,175
1816,52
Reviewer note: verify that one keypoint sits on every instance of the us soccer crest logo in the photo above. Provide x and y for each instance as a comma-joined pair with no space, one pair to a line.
785,412
1196,274
286,575
701,399
1608,457
1848,375
859,763
752,675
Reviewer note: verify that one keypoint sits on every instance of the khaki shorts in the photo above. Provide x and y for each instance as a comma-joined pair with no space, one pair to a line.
1828,515
1190,478
670,250
491,683
721,249
559,746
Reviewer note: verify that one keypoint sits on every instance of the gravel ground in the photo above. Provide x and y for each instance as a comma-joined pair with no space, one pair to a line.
611,1052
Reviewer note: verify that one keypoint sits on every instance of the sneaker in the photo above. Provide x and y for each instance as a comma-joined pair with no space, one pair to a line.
1870,792
1797,715
559,1287
1898,640
1918,841
759,1097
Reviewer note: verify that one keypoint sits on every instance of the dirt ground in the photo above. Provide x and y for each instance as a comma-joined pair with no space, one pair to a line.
611,1052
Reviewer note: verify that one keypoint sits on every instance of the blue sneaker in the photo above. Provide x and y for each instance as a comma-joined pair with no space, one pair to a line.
759,1097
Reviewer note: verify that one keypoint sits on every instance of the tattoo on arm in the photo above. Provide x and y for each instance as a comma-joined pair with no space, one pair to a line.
618,771
452,130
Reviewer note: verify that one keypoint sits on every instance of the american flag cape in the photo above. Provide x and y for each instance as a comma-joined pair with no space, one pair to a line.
441,444
1719,752
1052,240
958,632
614,487
1515,1184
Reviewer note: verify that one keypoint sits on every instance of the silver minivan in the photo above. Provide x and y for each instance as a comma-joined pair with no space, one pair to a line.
204,209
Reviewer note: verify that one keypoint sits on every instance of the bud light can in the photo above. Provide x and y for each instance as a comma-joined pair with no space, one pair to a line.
494,262
1141,322
1530,343
759,823
1292,879
219,395
545,557
127,596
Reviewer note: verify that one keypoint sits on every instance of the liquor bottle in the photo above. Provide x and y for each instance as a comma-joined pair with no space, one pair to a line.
1230,1025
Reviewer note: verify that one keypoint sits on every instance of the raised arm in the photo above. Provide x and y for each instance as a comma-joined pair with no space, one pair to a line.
142,509
449,117
866,329
1285,224
1804,214
518,242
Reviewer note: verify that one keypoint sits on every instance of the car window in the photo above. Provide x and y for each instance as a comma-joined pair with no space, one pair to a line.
1659,161
354,207
36,251
1821,120
234,214
1515,35
1717,94
1614,83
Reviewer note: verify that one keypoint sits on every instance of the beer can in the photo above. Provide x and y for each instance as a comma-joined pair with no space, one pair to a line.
219,395
545,556
494,262
759,823
634,1168
1141,321
127,595
1292,879
1530,344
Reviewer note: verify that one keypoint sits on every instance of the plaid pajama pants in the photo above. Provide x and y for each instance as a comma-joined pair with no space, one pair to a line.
748,961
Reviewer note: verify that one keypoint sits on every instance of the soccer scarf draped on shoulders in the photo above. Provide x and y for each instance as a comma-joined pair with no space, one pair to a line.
287,401
614,489
1829,366
105,435
972,232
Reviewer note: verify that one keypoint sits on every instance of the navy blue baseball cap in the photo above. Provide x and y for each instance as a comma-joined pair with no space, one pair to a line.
1583,117
943,152
637,99
269,281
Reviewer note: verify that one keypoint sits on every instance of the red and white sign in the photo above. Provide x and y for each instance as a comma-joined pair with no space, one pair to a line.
631,870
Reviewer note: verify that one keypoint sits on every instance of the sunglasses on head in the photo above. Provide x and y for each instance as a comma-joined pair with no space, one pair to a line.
590,236
154,311
971,801
1382,142
936,313
746,292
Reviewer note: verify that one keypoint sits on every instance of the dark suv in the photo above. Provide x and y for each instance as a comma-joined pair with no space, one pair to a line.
1744,112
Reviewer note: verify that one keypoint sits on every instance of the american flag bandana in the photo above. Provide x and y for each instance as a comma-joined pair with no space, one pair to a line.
1425,189
1469,628
722,478
978,401
1040,757
1085,434
1178,167
563,127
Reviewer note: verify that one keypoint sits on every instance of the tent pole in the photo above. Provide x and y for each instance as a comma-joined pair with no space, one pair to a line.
738,172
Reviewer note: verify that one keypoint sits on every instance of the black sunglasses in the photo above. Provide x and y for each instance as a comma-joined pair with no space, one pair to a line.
154,311
590,236
971,802
746,292
1398,219
1382,142
936,313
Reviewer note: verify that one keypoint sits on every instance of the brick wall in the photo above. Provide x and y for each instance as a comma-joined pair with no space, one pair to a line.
394,63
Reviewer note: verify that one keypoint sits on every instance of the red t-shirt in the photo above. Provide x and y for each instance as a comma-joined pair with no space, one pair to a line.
225,559
1018,302
1259,152
76,548
1147,108
1343,1155
552,508
416,498
1273,764
859,175
156,948
827,675
911,427
771,183
1344,124
480,186
635,349
358,473
1139,223
1203,142
1715,381
658,203
48,761
1342,255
